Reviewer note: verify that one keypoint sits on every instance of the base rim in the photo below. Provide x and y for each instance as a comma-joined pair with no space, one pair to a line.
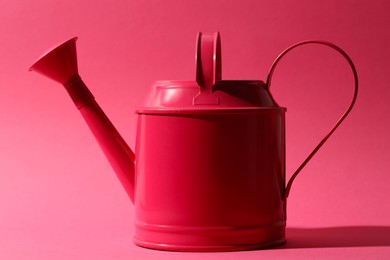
211,248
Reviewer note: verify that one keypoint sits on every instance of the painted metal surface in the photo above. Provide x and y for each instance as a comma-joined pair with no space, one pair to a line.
208,172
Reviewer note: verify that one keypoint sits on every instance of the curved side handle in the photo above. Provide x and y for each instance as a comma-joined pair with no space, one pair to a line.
208,67
338,49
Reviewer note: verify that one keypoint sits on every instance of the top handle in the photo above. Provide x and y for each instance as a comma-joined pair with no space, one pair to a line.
208,67
338,49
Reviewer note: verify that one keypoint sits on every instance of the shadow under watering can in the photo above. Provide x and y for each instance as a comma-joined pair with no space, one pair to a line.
208,172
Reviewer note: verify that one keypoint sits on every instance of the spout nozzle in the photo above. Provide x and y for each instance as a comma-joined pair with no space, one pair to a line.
59,63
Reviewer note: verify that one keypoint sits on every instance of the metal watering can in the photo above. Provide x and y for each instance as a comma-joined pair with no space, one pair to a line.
208,172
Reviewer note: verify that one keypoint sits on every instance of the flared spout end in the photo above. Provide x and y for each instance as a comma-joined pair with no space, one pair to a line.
59,63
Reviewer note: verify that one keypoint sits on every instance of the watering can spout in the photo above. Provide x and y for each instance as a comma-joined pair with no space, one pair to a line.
60,65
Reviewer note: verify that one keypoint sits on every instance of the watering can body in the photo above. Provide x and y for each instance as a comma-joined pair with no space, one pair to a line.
208,172
210,179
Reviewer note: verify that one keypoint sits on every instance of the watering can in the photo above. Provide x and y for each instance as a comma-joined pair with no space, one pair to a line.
208,171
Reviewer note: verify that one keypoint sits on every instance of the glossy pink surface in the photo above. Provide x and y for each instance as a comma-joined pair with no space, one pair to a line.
210,154
58,196
212,182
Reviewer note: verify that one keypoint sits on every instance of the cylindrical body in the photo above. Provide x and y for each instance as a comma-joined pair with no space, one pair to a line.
210,181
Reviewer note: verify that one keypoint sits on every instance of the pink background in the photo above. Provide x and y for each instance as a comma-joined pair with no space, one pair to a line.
58,196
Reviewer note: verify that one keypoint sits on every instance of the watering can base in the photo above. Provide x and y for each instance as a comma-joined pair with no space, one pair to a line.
211,240
179,248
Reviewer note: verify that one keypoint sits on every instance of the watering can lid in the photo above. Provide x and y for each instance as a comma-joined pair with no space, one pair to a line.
208,92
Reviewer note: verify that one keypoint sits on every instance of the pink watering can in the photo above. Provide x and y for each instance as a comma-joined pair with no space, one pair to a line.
208,172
